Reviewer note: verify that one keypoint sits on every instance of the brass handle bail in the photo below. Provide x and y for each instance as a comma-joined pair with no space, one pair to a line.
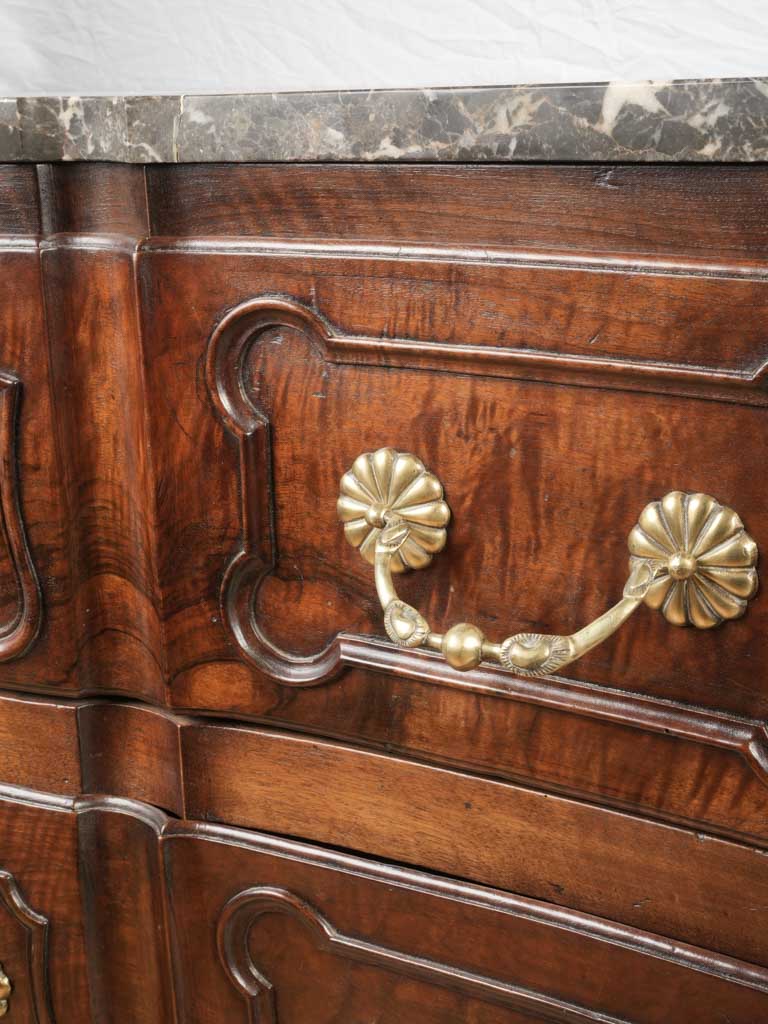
690,557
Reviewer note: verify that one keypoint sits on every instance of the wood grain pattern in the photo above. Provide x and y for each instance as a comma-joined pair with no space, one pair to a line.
243,911
34,927
39,883
32,495
268,354
518,316
19,207
677,763
202,352
20,631
242,362
708,214
124,898
39,745
70,335
96,376
455,951
536,844
516,441
131,752
91,199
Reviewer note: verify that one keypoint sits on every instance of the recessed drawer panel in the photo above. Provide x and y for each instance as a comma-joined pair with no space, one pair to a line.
645,874
269,372
282,933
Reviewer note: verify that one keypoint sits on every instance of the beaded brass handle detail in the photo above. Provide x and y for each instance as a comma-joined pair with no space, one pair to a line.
5,991
690,557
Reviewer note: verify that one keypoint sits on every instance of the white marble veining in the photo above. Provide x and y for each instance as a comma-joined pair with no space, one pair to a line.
707,120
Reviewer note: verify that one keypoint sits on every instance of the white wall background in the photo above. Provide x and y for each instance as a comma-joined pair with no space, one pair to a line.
173,46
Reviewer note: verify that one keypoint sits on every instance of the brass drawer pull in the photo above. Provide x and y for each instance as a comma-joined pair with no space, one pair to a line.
690,557
5,991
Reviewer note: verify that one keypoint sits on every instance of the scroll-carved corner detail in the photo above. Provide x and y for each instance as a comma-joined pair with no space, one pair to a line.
228,347
18,634
234,334
35,926
242,912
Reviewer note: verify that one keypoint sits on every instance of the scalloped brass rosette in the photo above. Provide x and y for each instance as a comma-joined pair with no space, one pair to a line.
389,486
690,556
708,559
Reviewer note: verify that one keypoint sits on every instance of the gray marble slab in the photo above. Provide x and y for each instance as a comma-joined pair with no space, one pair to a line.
10,136
708,120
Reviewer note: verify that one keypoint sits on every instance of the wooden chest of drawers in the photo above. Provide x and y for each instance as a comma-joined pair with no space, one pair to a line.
227,795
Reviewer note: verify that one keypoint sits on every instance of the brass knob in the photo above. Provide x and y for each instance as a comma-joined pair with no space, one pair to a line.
5,991
690,557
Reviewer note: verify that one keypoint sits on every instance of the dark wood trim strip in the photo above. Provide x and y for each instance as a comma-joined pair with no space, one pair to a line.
18,635
747,737
596,928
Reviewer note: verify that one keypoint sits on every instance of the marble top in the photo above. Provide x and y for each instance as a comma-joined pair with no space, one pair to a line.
707,120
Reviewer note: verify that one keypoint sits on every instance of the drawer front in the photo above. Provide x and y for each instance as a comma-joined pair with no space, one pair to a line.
554,393
276,932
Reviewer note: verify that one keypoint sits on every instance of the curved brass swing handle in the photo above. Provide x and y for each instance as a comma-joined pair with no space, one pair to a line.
689,557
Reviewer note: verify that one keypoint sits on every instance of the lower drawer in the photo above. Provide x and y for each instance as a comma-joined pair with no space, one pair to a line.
276,932
643,874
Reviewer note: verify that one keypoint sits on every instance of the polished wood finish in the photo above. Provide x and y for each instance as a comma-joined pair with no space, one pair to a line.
124,902
39,745
704,213
381,942
41,917
225,796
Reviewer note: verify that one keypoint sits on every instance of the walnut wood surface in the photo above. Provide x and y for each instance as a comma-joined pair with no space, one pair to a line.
41,923
124,901
706,213
39,745
96,375
535,843
191,357
31,462
19,202
481,956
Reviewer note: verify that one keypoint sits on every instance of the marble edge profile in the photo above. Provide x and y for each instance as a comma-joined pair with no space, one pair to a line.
715,120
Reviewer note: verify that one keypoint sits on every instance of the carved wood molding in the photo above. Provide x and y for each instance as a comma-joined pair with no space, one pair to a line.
242,912
36,929
227,350
228,347
626,373
746,737
18,634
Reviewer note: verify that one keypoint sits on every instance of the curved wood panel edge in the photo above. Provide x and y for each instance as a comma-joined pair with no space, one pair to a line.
136,751
747,737
599,929
168,831
18,635
228,345
227,349
36,928
242,911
